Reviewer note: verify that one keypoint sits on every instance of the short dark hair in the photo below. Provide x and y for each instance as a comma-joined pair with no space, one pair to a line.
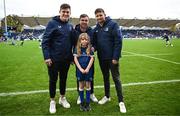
83,15
65,6
99,10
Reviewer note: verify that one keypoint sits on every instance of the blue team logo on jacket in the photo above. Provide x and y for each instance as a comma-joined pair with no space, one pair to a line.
106,29
70,28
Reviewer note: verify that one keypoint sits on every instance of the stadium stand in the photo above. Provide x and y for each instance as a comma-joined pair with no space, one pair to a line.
163,23
131,28
30,21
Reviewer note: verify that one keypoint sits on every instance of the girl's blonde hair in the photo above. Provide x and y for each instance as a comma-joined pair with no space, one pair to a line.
78,46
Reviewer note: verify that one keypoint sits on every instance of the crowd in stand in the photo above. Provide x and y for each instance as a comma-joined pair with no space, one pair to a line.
29,34
145,33
26,34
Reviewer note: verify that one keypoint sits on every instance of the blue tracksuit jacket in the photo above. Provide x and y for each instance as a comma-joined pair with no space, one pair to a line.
108,40
57,40
78,31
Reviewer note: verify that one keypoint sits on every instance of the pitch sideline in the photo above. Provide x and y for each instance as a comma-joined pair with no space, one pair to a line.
163,54
152,57
73,89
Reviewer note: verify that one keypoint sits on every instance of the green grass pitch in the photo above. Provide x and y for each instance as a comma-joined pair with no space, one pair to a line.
22,69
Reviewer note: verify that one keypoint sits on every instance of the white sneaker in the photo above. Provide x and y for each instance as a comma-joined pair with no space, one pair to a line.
93,98
52,107
104,100
63,102
122,107
78,100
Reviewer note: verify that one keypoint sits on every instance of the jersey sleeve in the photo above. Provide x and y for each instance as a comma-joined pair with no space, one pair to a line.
75,52
92,53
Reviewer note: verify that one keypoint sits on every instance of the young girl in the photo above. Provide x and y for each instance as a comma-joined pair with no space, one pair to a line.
83,58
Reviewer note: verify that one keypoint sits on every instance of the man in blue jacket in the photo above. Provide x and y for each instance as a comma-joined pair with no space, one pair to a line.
57,51
83,27
108,43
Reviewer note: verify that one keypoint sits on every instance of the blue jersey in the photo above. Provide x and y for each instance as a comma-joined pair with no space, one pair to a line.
84,60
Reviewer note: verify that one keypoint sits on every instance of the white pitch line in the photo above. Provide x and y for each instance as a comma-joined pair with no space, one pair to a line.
152,57
73,89
146,54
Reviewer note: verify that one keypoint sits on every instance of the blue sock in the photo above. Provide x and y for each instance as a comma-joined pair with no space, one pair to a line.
81,94
88,92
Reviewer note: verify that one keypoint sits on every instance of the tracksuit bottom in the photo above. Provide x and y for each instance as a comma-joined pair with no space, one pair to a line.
58,69
107,66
